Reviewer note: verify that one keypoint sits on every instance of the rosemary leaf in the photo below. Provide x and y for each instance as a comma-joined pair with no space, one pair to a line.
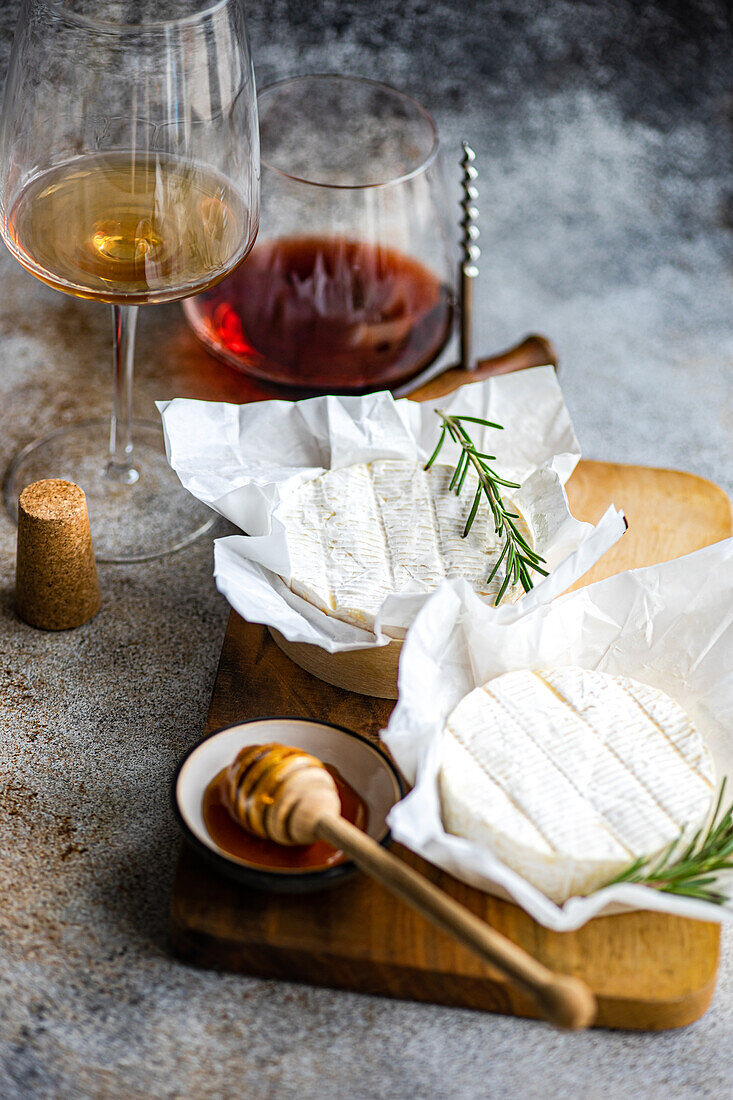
472,517
461,480
462,461
478,420
436,452
507,484
499,560
692,870
504,586
520,559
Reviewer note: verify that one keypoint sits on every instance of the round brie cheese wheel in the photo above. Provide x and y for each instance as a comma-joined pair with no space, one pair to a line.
569,775
364,532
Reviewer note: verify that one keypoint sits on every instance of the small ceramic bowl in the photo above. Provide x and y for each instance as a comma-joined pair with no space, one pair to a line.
361,764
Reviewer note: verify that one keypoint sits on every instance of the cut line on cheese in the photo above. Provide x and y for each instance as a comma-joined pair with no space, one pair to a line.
364,532
569,774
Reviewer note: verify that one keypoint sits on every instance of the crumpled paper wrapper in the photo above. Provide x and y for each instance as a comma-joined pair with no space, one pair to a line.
667,625
241,459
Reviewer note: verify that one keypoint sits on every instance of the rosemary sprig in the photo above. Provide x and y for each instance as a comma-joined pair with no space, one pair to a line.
519,557
690,870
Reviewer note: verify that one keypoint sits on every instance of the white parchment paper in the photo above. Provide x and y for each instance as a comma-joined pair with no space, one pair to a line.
242,459
668,625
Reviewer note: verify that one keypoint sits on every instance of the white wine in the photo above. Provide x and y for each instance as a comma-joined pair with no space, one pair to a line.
128,228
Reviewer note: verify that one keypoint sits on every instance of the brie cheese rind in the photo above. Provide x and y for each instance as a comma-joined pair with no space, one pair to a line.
569,775
359,534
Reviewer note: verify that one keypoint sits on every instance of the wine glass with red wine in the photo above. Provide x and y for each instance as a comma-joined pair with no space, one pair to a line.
129,174
350,287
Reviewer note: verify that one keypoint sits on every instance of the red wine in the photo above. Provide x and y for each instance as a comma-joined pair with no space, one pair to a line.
326,314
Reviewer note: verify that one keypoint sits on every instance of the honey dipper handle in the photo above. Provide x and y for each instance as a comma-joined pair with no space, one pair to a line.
564,1000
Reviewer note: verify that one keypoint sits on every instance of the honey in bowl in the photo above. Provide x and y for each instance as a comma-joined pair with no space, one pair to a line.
266,854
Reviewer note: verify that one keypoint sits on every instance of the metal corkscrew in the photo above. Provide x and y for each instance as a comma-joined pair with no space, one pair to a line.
438,378
470,253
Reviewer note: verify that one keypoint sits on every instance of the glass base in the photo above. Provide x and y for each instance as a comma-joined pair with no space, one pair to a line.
133,518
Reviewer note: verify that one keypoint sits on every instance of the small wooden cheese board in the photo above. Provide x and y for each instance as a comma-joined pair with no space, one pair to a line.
648,970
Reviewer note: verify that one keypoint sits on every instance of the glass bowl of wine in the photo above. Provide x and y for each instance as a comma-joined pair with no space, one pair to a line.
129,174
351,286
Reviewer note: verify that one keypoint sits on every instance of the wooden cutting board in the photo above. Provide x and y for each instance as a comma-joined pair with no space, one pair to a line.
648,970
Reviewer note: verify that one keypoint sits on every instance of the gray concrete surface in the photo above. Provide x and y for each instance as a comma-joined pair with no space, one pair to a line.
603,135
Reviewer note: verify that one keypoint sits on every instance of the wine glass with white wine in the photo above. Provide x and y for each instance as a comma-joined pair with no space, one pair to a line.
129,174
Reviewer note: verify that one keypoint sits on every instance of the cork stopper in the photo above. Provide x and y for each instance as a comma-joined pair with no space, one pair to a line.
56,584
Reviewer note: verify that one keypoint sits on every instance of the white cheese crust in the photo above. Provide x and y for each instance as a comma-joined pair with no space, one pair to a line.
361,533
568,775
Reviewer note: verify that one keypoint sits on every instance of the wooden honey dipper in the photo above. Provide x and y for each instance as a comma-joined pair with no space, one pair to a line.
286,795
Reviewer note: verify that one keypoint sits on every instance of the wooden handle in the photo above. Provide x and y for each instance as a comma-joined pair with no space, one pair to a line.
533,351
564,1000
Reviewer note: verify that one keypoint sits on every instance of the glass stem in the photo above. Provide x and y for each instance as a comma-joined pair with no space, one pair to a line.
120,467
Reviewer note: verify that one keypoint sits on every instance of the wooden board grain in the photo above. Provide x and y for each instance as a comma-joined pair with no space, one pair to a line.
648,971
670,513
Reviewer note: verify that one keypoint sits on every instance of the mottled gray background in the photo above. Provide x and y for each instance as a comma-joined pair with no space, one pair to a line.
603,136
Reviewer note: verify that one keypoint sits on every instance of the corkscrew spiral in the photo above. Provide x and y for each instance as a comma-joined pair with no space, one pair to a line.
470,251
